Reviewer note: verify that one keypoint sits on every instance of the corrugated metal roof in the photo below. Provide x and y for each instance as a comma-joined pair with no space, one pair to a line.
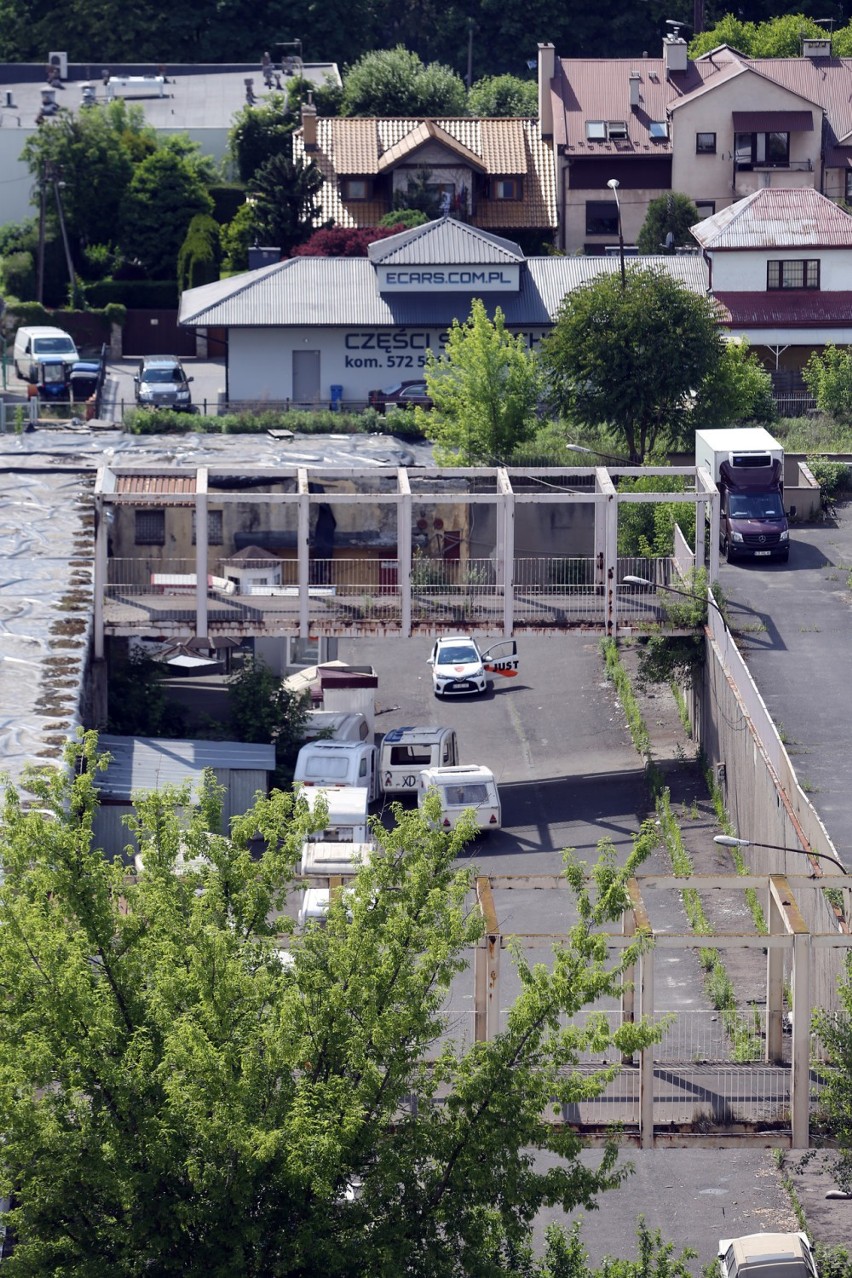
498,147
155,485
145,763
342,291
788,309
775,217
446,241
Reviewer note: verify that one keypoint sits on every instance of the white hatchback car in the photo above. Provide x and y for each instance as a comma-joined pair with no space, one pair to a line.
460,669
767,1256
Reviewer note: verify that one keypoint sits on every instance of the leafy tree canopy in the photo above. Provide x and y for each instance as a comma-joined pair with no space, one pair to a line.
165,194
828,376
237,237
259,133
405,219
503,95
396,82
198,259
484,390
346,241
633,357
668,215
738,389
93,153
177,1100
780,37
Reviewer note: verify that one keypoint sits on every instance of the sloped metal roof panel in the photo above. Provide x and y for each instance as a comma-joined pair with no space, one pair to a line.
446,241
788,309
775,217
147,764
333,292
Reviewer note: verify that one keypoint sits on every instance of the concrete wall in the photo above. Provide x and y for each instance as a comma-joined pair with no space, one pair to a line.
762,794
17,184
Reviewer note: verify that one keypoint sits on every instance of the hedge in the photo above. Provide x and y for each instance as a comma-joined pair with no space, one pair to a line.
156,295
164,422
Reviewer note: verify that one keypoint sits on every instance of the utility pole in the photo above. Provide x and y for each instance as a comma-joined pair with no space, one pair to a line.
469,77
72,282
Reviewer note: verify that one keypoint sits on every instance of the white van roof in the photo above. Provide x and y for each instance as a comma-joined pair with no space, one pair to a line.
334,858
343,725
347,804
458,772
415,736
43,330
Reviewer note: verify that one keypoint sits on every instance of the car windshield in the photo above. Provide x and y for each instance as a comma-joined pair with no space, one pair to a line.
755,506
54,346
161,375
457,654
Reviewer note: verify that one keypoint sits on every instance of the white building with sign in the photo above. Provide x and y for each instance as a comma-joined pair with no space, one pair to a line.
302,326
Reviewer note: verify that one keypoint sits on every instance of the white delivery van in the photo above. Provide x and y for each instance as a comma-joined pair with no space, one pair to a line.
40,345
338,763
334,858
469,785
347,812
404,752
335,725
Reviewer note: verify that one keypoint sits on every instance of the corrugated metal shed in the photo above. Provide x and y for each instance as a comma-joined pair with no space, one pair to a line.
342,292
775,217
146,763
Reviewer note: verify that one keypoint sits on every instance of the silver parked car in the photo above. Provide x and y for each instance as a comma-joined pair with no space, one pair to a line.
162,383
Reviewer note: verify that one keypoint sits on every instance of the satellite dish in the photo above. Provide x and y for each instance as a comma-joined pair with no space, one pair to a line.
669,243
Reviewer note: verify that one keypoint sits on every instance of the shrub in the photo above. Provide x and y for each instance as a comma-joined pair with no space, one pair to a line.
198,259
832,477
828,376
165,422
19,276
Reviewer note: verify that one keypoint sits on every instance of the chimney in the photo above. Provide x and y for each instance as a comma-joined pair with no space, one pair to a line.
634,80
309,124
674,54
546,72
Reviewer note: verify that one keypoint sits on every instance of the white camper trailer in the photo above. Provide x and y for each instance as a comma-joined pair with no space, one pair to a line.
470,785
346,805
338,763
404,752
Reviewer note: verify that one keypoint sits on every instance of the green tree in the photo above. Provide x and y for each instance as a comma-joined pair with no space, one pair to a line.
503,95
396,82
668,215
484,390
176,1100
260,133
237,237
647,528
406,219
779,37
828,376
165,194
630,356
198,259
137,700
286,201
834,1031
93,153
260,708
738,389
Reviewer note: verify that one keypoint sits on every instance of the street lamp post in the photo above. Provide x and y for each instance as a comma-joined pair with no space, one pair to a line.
728,841
613,185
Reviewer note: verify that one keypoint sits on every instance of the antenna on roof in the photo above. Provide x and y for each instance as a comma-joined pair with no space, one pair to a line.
675,27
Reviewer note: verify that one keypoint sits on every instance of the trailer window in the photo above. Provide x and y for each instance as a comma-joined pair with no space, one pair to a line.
407,756
465,796
321,768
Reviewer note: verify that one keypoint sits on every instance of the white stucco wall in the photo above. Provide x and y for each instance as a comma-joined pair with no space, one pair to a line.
744,271
260,361
711,177
15,180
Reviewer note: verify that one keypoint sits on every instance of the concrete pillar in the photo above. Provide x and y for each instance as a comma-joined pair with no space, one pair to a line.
774,987
403,549
646,1056
303,547
800,1087
201,552
101,575
486,968
506,548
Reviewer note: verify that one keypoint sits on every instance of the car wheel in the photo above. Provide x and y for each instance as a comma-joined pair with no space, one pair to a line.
730,555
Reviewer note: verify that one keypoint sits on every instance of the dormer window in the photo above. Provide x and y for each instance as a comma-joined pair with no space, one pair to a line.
355,188
506,189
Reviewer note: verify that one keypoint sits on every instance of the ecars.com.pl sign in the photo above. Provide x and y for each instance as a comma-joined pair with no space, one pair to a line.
453,279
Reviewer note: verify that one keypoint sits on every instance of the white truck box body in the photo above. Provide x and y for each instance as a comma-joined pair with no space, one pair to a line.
712,447
338,763
347,812
466,786
404,752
